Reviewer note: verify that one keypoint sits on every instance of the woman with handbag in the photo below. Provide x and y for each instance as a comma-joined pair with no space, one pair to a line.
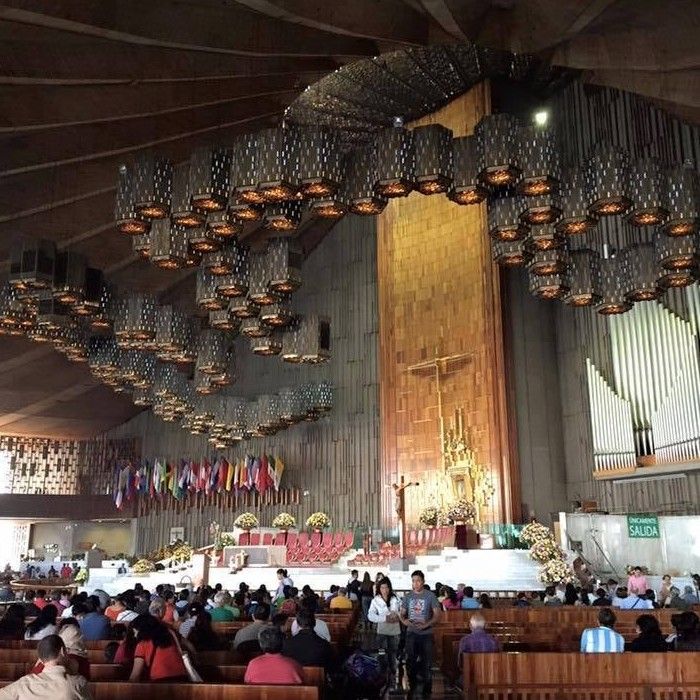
158,655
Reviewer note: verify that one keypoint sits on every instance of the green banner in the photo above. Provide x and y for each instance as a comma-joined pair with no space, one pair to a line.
643,526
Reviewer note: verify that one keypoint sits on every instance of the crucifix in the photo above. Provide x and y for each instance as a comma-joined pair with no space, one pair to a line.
441,366
400,507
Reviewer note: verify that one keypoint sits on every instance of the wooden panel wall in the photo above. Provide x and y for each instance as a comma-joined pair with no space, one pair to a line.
334,461
42,466
439,296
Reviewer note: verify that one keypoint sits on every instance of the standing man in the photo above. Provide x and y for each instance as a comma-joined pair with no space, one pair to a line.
420,610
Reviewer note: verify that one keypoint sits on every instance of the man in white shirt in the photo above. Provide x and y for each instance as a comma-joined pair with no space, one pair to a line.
54,682
624,601
321,628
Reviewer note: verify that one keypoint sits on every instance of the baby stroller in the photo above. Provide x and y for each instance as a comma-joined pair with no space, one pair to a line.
366,676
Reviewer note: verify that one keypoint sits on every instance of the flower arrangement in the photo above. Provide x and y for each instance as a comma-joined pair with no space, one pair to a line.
318,521
631,567
462,510
535,532
227,540
545,550
182,551
428,516
246,521
443,517
284,521
556,571
143,566
82,576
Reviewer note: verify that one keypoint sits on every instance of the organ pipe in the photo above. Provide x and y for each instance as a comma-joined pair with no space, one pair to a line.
611,422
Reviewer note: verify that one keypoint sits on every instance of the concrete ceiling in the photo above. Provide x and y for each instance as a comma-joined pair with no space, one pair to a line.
85,86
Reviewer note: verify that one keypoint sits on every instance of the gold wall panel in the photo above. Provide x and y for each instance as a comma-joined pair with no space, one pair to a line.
439,296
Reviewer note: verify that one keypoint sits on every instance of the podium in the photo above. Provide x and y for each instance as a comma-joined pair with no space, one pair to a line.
466,537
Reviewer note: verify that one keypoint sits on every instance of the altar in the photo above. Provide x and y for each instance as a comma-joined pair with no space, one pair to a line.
258,555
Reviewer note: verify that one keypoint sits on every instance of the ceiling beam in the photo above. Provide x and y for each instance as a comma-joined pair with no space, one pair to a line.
220,29
442,14
43,108
49,55
389,20
58,148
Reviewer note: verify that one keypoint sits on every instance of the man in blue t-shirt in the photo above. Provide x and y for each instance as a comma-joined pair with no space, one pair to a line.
420,610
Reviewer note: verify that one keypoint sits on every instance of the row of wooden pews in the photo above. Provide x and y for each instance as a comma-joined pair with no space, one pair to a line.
549,666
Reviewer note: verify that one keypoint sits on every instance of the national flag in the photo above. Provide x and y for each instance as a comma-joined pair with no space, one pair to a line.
230,474
223,474
279,470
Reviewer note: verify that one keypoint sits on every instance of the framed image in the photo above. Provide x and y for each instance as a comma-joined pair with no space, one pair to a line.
177,533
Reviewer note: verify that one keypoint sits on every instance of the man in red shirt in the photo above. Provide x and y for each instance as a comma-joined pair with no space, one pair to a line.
272,668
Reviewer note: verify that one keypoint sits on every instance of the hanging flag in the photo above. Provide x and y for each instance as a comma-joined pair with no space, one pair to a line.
261,477
253,472
156,476
223,474
214,475
193,481
236,481
243,474
279,469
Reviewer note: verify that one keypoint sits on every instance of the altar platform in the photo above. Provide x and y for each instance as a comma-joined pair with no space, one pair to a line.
484,569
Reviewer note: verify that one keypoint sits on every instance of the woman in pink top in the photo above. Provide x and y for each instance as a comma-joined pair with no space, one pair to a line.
272,668
637,581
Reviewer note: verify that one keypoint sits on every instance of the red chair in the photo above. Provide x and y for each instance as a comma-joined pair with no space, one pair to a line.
244,539
303,539
316,538
254,539
339,539
280,539
348,539
291,539
267,538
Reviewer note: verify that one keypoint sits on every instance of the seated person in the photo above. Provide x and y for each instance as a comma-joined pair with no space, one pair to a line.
630,601
93,624
248,635
54,681
12,622
157,655
76,657
649,636
603,639
468,601
321,628
306,646
551,598
687,627
602,599
341,601
272,668
479,641
288,605
43,624
219,612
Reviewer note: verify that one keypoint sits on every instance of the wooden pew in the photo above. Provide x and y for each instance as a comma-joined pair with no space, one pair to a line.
200,691
313,675
576,670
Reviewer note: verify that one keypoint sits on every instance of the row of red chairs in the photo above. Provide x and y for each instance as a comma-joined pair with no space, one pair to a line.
303,548
417,542
318,548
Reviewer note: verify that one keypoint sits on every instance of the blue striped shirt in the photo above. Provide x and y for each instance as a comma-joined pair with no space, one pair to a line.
601,640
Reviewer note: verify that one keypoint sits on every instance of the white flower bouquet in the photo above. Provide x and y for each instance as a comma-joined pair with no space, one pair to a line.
428,516
318,521
535,532
545,550
284,521
246,521
462,510
556,571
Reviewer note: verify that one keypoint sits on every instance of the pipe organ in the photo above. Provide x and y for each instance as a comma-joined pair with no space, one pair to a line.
611,424
655,392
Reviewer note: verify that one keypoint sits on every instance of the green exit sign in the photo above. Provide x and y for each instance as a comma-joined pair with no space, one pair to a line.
643,526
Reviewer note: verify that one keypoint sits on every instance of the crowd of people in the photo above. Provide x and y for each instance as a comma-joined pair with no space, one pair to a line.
153,634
